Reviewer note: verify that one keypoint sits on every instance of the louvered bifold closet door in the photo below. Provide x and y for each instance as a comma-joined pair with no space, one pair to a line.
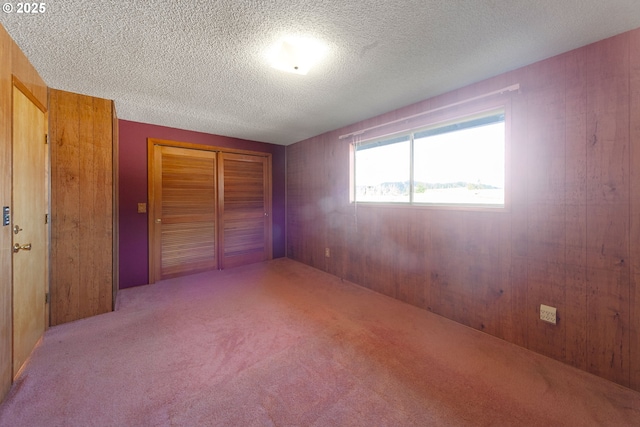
245,208
185,209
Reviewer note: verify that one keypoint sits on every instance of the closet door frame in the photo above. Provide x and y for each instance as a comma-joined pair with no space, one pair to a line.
151,213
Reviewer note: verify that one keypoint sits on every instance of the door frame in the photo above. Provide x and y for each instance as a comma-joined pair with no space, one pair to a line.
22,88
151,214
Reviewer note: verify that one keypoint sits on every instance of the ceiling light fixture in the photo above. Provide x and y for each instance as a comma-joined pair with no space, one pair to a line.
296,55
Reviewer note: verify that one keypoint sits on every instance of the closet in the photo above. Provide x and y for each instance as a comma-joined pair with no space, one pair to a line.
209,208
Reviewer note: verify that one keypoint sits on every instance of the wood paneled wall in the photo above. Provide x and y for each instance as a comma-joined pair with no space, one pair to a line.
12,62
82,209
570,239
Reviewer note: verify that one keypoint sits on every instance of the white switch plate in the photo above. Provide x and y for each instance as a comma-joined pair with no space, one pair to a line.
548,314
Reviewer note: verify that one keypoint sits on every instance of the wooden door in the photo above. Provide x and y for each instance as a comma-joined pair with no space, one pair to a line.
183,212
29,237
245,209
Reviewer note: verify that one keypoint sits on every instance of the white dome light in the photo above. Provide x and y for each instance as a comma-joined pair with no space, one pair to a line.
296,55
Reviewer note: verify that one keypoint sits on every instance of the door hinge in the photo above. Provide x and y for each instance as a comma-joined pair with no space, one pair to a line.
46,298
46,218
46,138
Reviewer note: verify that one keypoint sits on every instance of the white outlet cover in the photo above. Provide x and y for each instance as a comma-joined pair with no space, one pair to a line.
548,314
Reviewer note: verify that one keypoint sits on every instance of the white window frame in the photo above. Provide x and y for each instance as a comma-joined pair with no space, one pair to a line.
464,117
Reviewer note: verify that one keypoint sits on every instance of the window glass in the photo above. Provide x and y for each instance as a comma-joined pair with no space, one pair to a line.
461,164
382,171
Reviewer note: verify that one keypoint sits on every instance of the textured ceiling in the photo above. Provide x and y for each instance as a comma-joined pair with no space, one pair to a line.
201,65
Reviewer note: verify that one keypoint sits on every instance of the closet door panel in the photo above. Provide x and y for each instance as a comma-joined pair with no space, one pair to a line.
245,209
185,211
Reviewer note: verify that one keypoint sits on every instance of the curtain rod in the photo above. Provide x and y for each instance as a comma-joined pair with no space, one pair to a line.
475,98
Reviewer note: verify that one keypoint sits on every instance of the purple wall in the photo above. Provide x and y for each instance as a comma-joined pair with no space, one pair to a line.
134,239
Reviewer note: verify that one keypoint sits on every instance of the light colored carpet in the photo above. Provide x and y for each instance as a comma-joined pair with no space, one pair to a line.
282,344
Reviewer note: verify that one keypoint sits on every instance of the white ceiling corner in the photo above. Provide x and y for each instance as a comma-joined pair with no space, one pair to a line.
201,65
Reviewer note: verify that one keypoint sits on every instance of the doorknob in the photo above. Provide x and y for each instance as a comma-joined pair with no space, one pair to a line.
16,229
18,246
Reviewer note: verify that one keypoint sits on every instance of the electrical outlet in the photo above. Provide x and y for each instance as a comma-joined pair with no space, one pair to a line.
327,252
548,314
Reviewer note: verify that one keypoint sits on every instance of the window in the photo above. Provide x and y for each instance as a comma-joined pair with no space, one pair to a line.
383,171
457,163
